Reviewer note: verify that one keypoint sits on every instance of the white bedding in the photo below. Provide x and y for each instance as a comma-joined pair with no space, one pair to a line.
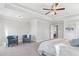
57,47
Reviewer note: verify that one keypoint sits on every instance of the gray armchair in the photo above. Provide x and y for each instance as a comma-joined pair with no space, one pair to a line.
74,42
12,40
26,38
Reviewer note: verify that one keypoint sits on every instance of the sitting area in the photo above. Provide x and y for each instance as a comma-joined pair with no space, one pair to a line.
12,39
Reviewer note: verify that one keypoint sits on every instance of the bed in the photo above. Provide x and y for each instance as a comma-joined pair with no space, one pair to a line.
57,47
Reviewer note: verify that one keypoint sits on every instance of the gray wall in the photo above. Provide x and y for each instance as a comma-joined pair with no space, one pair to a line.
40,30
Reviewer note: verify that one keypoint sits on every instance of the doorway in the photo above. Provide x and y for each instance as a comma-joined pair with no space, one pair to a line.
54,31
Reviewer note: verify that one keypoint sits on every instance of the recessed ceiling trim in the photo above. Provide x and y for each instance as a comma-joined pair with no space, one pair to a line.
28,10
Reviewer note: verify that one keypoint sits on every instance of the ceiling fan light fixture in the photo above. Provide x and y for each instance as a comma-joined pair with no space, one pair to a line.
20,17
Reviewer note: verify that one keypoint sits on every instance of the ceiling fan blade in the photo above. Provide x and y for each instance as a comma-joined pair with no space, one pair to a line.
60,9
45,9
55,13
56,4
47,13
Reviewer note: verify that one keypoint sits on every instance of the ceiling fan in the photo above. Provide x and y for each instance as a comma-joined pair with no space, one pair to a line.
54,8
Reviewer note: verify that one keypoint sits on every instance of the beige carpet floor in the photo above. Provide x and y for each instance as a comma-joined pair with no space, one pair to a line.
26,49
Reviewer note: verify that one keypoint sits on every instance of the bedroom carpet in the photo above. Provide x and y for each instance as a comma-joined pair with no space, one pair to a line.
26,49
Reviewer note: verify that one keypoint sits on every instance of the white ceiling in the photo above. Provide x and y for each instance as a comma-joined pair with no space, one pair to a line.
32,10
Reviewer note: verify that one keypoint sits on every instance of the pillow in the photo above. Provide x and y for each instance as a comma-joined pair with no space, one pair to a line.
74,42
